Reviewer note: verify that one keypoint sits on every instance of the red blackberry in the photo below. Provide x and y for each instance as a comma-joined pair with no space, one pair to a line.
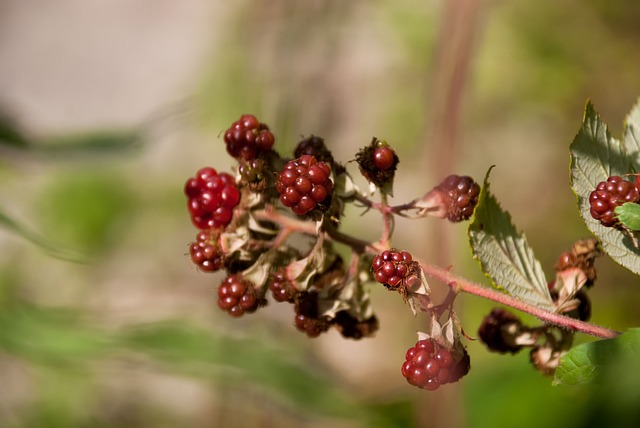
304,183
391,267
247,138
238,296
383,158
461,196
204,253
211,198
281,288
499,330
608,195
428,365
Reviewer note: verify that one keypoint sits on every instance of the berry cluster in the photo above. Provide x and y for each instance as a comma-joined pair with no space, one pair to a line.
211,198
391,267
610,194
247,138
428,365
238,296
316,147
307,318
304,183
205,254
461,196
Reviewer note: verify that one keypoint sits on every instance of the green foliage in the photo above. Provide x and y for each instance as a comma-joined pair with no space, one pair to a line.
592,362
504,253
25,232
84,209
595,156
629,215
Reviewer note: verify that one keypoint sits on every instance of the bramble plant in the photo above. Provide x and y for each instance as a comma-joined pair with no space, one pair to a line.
245,225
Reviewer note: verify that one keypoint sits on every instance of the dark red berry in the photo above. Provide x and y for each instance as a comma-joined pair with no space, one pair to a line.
304,183
211,198
392,267
383,158
247,138
428,365
238,296
281,288
608,195
204,253
353,328
461,196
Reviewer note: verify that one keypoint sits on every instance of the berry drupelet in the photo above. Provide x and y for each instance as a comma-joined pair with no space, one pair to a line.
391,267
608,195
238,296
211,198
428,365
247,138
304,183
204,253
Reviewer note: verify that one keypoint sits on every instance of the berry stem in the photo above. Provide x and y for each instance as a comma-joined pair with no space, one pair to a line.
461,284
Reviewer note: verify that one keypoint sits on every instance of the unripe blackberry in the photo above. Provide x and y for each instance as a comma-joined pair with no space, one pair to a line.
461,196
499,330
281,288
238,296
247,138
204,253
304,184
316,147
211,198
608,195
392,267
428,365
377,163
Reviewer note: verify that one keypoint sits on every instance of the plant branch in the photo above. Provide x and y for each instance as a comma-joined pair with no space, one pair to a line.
466,286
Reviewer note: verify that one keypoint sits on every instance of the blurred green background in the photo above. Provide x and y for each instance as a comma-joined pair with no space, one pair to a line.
106,108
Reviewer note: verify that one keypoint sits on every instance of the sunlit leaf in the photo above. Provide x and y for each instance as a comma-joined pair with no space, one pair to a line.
504,253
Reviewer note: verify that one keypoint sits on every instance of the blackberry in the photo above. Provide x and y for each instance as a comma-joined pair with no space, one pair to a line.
608,195
204,253
247,138
304,183
391,268
211,198
238,296
461,196
499,330
281,288
316,147
428,365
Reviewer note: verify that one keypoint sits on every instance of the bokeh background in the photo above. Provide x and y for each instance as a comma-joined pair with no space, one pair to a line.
108,107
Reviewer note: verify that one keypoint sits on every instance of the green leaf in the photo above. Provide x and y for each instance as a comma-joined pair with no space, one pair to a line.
595,361
595,156
504,254
629,215
632,135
